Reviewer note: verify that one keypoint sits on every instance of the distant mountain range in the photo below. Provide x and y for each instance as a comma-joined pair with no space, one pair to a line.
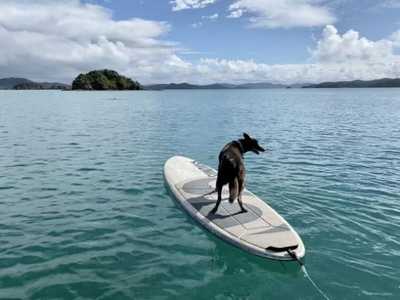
14,83
378,83
214,86
384,83
26,84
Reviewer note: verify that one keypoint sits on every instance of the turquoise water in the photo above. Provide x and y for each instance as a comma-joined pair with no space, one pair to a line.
84,213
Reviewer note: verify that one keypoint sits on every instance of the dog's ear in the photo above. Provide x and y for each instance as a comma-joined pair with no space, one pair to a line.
246,136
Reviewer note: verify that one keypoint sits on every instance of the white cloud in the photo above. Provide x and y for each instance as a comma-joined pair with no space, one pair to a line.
395,38
282,13
190,4
220,70
197,25
210,17
56,40
350,47
236,13
335,57
390,3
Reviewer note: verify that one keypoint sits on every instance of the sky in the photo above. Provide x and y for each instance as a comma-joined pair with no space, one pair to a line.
201,41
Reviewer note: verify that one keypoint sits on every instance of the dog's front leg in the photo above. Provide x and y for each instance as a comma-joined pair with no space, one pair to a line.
241,203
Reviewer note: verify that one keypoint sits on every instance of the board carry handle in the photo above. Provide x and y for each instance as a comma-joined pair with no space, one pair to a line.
281,249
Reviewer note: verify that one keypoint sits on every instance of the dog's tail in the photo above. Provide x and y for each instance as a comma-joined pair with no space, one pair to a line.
233,190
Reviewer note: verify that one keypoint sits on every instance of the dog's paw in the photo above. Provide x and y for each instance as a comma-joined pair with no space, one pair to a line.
213,211
244,210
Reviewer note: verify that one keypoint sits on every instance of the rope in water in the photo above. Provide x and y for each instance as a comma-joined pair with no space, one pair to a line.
303,268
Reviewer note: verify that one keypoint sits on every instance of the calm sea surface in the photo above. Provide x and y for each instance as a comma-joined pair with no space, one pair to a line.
84,213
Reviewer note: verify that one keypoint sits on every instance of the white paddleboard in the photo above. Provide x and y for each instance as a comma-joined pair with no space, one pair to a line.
260,230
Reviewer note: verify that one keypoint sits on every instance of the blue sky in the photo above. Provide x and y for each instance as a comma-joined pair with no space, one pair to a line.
233,39
202,41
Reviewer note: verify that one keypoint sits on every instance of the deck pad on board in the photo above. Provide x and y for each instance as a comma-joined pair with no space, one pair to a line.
251,226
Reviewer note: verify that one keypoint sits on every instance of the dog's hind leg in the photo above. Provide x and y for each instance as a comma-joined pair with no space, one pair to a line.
219,190
241,187
233,190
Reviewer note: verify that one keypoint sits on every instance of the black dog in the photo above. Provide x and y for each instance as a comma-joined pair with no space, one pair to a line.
231,168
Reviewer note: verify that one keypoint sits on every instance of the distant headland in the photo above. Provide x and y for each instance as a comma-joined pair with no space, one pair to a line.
15,83
377,83
102,80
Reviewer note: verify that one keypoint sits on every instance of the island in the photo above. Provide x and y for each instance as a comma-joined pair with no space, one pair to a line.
100,80
378,83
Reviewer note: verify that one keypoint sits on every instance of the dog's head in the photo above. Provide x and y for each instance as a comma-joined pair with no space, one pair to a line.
250,144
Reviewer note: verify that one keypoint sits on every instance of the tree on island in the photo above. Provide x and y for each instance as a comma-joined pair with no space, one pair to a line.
101,80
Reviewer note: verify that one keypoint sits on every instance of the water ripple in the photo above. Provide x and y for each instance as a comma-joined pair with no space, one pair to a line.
85,213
